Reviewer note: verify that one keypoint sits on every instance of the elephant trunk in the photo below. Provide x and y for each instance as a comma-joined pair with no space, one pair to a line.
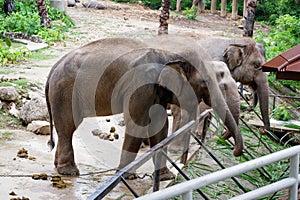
262,89
233,102
218,103
232,127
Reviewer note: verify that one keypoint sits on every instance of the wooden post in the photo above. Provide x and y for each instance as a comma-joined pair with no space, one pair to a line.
249,18
178,5
200,4
244,8
223,8
234,14
164,17
213,6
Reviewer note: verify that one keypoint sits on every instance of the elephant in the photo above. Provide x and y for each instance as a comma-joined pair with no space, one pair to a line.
122,75
244,58
229,90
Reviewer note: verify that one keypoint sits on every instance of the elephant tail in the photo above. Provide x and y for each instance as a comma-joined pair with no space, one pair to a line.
51,142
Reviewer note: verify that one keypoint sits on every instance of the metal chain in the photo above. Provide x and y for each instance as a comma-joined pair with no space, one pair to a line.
30,175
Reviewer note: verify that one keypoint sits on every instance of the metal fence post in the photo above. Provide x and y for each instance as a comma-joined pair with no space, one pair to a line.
188,195
294,170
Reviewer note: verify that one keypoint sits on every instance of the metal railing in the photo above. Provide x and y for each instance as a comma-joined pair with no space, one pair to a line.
186,188
153,152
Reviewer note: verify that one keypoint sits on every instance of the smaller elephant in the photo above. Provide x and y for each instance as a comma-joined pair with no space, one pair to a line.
229,90
244,58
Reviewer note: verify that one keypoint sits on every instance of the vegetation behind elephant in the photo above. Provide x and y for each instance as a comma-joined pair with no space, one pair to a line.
229,90
244,58
111,76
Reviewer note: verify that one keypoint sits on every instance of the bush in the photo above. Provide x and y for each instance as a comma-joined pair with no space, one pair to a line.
27,20
8,54
269,11
282,37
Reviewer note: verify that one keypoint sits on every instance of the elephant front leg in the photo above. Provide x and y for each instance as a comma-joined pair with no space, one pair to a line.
160,161
129,152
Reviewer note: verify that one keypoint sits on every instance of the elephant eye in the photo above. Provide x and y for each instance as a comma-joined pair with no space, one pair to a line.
257,65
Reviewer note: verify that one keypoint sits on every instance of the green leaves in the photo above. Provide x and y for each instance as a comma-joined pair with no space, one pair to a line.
282,112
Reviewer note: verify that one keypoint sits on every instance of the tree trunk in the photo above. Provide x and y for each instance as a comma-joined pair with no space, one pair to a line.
234,14
45,20
249,18
164,17
178,5
223,8
213,6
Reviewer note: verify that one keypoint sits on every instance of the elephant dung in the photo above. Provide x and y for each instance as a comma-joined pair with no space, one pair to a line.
22,153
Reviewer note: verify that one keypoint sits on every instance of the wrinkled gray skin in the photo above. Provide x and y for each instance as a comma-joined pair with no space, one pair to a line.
244,58
229,90
101,78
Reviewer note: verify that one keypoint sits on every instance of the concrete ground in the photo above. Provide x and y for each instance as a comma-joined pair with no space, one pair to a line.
96,159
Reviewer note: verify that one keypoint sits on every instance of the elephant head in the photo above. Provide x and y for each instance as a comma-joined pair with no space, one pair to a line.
245,64
211,86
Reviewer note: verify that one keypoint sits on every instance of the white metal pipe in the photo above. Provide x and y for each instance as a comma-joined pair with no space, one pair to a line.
268,189
294,171
222,174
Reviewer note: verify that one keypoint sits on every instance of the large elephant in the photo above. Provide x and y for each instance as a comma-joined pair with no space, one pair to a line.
116,75
244,58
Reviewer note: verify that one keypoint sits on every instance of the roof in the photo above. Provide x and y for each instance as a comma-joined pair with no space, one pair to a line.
287,64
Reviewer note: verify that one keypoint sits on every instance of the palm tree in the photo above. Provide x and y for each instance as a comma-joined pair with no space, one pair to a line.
164,17
45,20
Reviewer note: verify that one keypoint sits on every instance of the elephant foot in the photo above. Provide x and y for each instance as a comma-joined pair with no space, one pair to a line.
165,174
68,170
130,176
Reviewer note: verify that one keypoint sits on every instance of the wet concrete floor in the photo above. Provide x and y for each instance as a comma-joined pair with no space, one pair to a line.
95,158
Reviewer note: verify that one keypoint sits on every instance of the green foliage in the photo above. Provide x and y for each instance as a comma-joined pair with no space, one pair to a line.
282,113
9,54
270,10
191,13
282,37
26,19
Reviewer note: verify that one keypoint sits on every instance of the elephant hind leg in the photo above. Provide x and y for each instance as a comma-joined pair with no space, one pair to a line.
65,127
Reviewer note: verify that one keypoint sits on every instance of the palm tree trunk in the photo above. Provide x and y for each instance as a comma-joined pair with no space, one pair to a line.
249,18
164,17
45,20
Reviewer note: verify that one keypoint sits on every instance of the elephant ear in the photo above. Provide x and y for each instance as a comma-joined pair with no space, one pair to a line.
234,55
174,76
